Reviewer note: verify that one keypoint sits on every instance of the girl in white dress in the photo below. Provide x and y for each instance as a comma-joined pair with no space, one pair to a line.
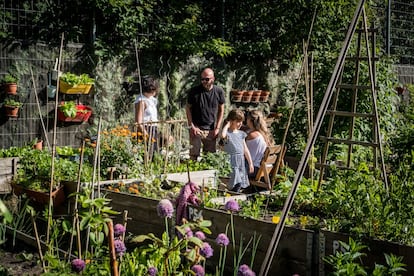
146,113
235,146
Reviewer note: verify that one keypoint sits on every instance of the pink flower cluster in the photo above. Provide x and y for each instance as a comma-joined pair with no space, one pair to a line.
188,195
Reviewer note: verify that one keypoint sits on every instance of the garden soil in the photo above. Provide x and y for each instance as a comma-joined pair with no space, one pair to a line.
19,261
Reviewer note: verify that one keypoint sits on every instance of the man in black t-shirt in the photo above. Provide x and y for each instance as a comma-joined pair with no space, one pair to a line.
204,109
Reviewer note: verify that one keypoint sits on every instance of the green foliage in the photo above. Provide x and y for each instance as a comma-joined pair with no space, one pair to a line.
9,78
73,79
14,151
35,169
166,253
68,108
348,261
12,102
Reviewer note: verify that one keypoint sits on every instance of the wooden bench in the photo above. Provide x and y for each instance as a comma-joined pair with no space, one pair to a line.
271,163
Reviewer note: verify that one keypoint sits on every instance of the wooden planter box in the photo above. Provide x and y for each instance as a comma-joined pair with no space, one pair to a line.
327,243
142,212
8,167
299,251
294,254
58,195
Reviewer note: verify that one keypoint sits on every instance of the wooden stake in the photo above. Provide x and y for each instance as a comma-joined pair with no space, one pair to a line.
112,253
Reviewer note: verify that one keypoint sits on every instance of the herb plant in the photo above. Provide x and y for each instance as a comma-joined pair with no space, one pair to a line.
68,108
9,78
73,79
12,102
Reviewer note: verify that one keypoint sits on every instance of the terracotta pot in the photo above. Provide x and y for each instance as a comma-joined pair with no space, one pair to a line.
38,145
247,96
236,98
264,96
10,88
11,111
256,96
236,92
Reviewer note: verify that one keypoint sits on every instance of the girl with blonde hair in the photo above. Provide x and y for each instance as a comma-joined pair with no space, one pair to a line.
258,138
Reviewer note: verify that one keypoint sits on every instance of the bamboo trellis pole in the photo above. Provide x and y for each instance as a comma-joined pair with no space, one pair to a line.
49,220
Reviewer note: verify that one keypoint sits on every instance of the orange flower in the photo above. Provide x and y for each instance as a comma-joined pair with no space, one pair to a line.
116,190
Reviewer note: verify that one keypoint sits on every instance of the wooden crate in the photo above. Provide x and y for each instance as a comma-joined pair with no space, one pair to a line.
8,168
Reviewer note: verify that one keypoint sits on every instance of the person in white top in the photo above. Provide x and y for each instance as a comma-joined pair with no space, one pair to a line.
258,138
146,112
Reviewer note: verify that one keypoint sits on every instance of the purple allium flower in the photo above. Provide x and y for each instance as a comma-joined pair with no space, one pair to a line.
119,229
198,269
78,265
119,247
206,250
222,239
232,206
188,232
200,235
244,270
152,271
165,208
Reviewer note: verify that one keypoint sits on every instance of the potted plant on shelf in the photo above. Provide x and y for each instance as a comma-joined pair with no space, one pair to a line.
70,83
9,82
71,112
12,107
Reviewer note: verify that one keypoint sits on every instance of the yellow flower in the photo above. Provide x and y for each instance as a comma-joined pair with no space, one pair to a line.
275,219
303,220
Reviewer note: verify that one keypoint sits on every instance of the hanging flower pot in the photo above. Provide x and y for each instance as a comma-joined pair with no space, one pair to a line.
12,111
10,84
12,107
70,83
10,88
74,113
